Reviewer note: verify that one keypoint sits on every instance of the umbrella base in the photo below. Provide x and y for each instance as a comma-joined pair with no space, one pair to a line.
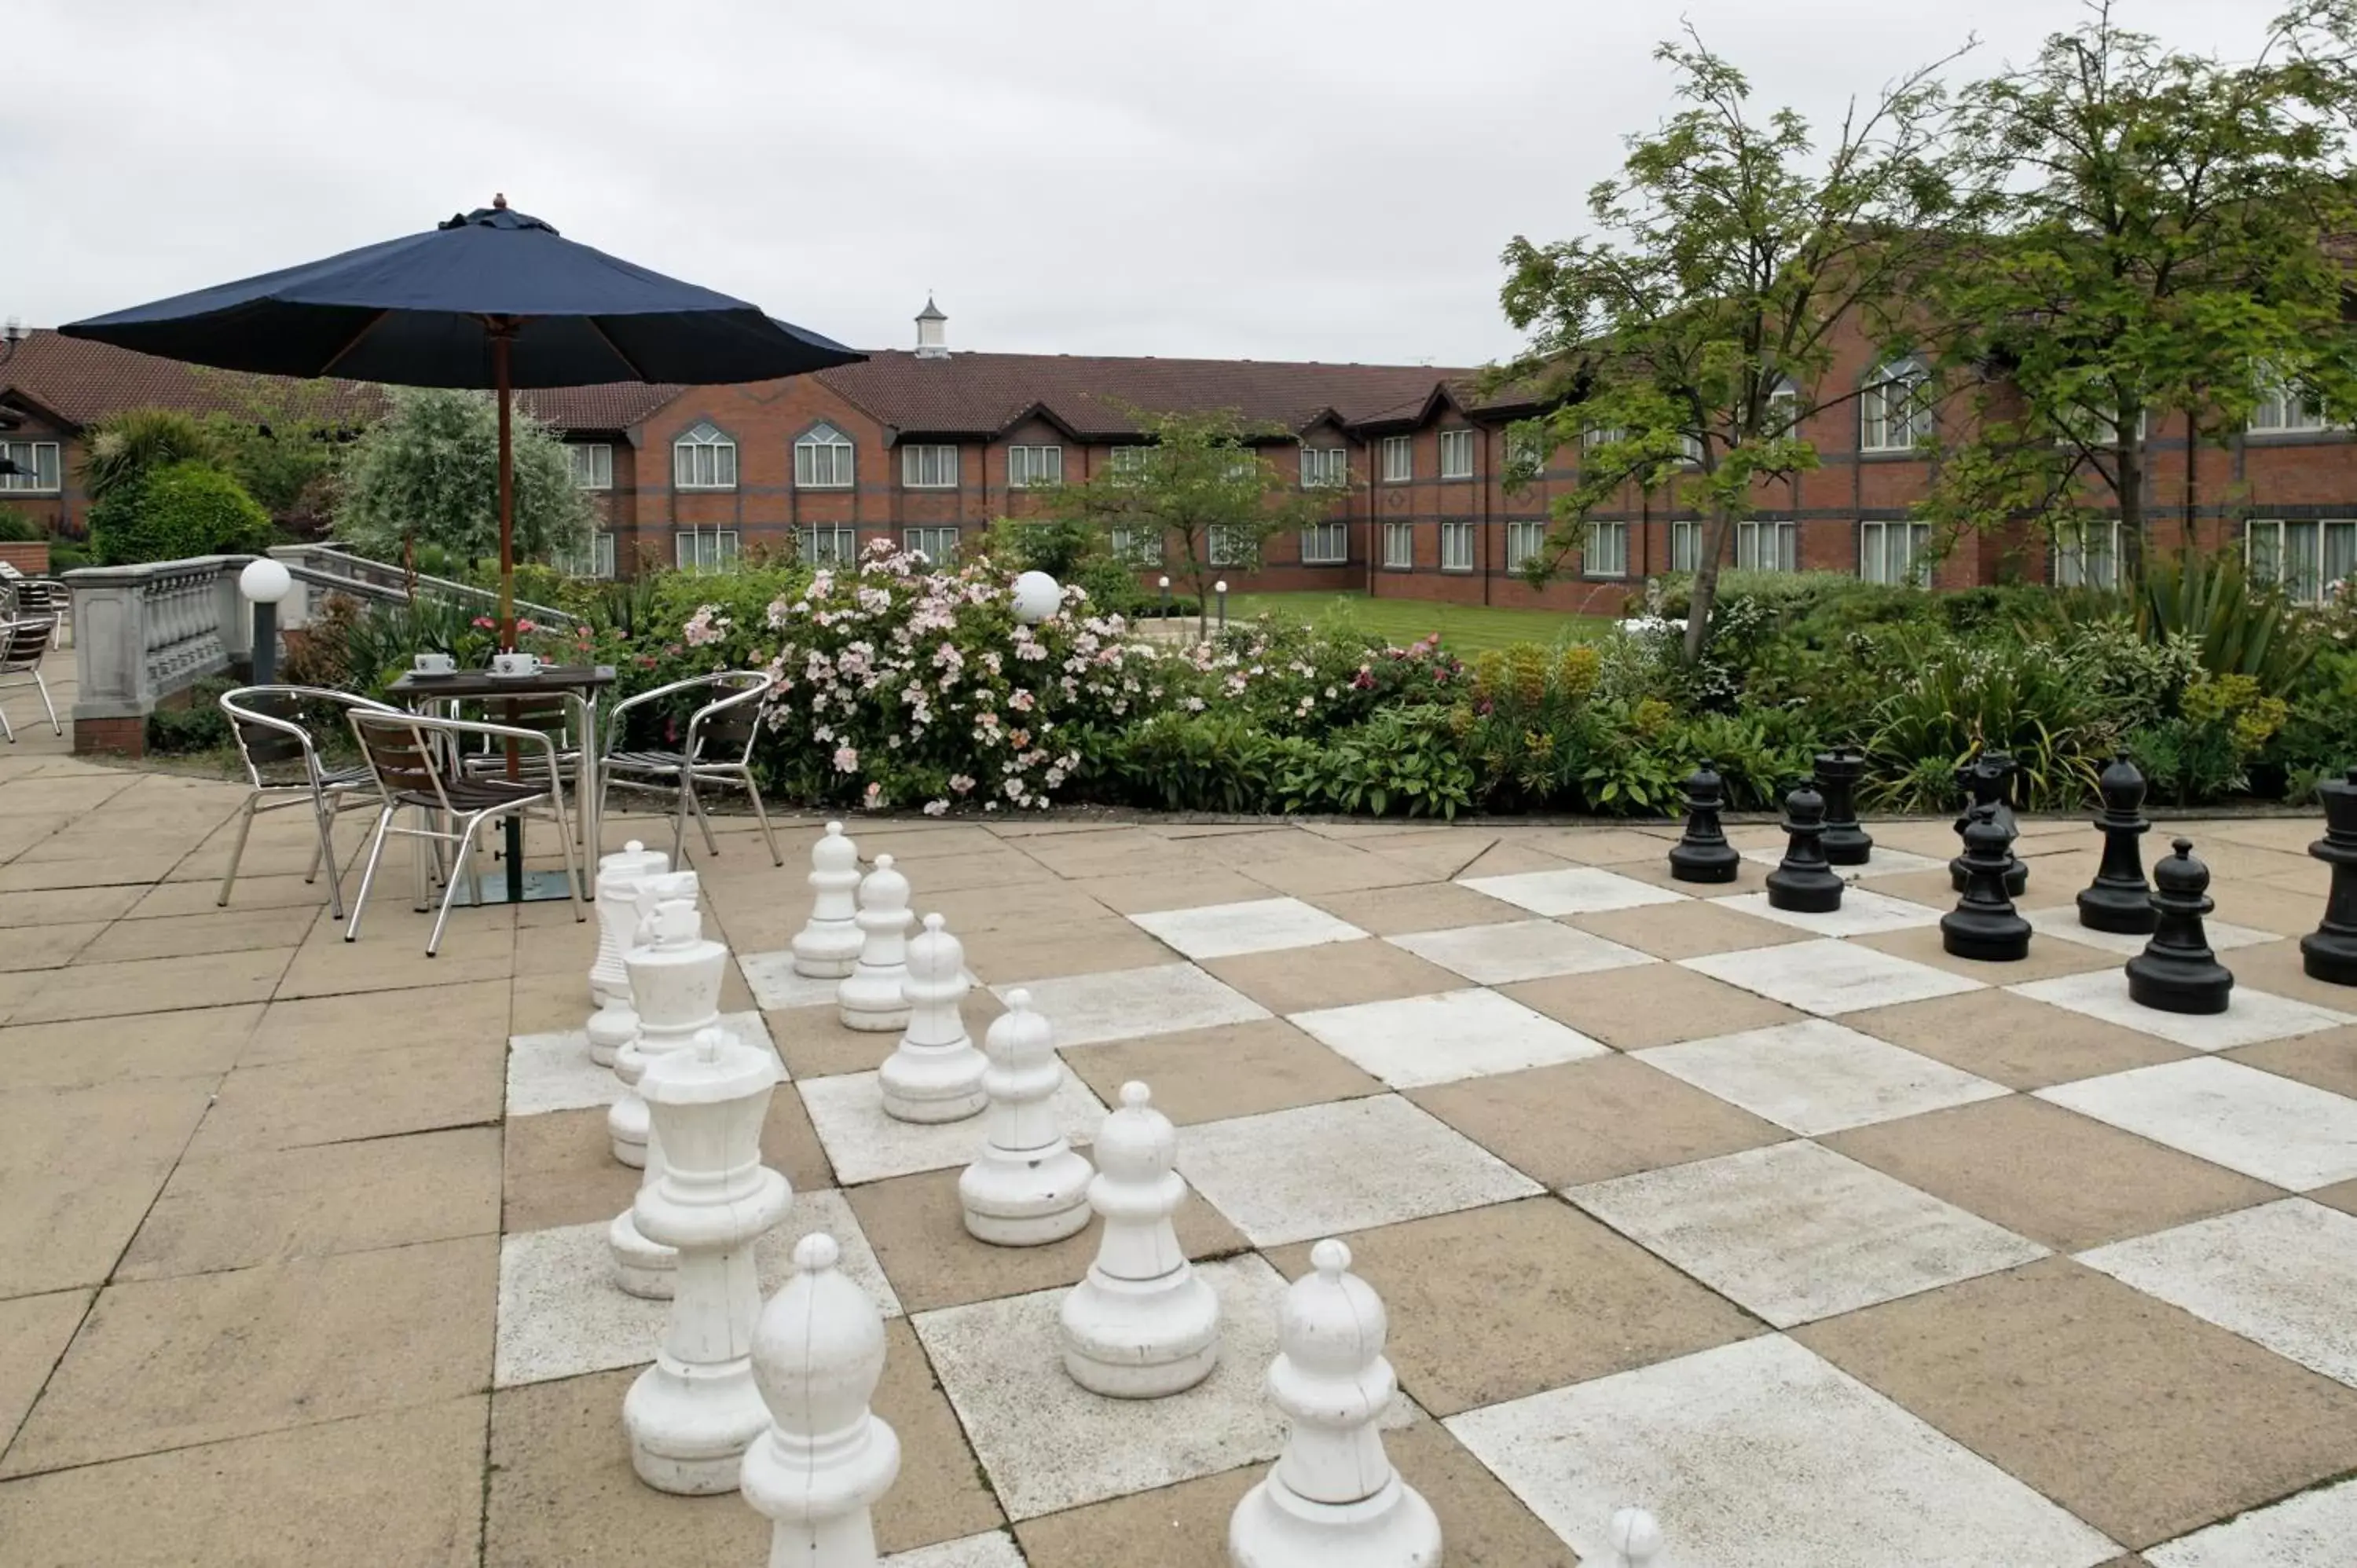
539,888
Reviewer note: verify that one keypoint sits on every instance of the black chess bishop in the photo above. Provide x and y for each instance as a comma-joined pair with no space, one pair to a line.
2120,899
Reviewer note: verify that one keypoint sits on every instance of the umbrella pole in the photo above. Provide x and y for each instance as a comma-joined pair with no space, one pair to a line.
501,336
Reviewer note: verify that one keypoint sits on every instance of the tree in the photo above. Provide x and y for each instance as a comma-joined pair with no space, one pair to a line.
1695,333
125,448
279,438
429,474
1193,479
2161,237
174,512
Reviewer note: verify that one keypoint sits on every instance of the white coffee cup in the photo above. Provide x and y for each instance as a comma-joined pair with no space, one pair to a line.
436,664
515,663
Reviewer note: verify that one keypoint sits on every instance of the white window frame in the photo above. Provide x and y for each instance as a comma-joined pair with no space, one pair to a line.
1686,535
1525,539
597,562
1136,544
1126,464
1784,537
1326,545
1605,552
1601,435
1894,411
929,466
2283,411
45,463
1527,454
826,544
2075,567
592,466
2305,580
703,446
825,459
1324,467
705,549
1221,547
1399,459
1787,393
1456,453
1399,546
1456,546
936,542
1033,465
1874,539
2104,434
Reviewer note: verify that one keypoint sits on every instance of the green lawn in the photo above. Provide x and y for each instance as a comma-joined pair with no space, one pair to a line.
1464,628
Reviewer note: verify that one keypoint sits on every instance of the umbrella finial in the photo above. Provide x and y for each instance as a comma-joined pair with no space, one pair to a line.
498,202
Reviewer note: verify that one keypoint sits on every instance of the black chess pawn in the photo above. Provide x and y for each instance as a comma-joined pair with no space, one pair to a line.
1988,780
2176,973
1983,924
2329,952
2120,899
1838,772
1803,882
1702,854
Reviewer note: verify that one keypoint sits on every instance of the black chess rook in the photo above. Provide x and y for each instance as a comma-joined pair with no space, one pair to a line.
2176,973
1838,772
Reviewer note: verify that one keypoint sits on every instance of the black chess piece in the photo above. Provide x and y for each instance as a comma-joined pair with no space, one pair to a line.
2176,973
1803,882
1838,772
2329,952
1988,780
1702,854
2120,899
1983,924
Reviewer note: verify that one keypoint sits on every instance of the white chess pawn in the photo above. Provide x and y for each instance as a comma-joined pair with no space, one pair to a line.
826,1458
935,1074
869,998
1332,1495
1634,1536
677,976
691,1415
618,876
828,946
1142,1323
1029,1187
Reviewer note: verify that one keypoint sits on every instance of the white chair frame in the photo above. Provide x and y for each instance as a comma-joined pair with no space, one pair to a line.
679,773
20,654
326,792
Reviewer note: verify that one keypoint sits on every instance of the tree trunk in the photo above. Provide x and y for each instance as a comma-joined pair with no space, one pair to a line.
1705,581
2131,494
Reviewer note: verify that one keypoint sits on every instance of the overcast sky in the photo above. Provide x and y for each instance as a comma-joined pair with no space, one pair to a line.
1286,180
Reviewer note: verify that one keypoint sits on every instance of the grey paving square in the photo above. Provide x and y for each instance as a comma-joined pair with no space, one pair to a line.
1829,977
1259,925
2251,1018
1818,1077
2276,1129
1862,912
1128,1004
1415,1041
1520,949
864,1145
554,1072
1574,890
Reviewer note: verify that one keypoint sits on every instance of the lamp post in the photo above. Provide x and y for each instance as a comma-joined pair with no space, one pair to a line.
1221,588
265,582
1166,598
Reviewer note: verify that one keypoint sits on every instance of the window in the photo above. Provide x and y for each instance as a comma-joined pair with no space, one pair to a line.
2306,556
1325,544
937,544
823,460
1783,413
1526,452
1325,467
2101,429
1136,546
827,544
1601,435
1128,462
1691,448
1894,413
596,561
1457,547
1525,540
704,549
1766,546
2286,411
1229,546
1243,466
593,467
928,467
1399,459
1399,546
36,462
1035,465
1893,552
1606,554
1456,454
2087,556
703,459
1685,545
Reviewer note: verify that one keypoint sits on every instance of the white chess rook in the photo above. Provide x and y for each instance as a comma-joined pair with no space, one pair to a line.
618,876
691,1415
869,999
677,974
1142,1323
1028,1188
935,1074
1635,1537
1332,1499
827,947
826,1458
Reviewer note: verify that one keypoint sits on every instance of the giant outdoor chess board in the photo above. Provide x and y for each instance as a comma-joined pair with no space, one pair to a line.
1827,1247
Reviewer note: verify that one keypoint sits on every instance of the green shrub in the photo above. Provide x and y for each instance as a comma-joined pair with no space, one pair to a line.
1403,760
198,727
15,528
127,447
184,510
2242,627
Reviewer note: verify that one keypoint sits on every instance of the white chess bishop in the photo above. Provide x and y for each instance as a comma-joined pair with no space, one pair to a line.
1029,1187
870,999
827,947
825,1458
1142,1323
1332,1499
691,1415
935,1074
619,878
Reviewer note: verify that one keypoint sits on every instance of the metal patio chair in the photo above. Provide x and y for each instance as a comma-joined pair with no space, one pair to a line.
23,641
272,741
414,760
715,749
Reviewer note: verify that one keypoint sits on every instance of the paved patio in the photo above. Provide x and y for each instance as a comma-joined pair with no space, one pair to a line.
1829,1247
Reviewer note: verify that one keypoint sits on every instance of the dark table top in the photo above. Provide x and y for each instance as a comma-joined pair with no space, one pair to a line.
483,684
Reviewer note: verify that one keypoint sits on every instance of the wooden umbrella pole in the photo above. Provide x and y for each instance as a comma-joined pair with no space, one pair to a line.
502,334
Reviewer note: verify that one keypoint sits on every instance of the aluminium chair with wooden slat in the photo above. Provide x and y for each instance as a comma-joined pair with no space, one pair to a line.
717,748
267,722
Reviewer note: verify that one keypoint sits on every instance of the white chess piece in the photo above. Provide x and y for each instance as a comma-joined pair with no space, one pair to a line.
618,876
677,976
674,1008
691,1415
869,998
1332,1495
1029,1187
1634,1536
1142,1323
826,1458
935,1074
827,948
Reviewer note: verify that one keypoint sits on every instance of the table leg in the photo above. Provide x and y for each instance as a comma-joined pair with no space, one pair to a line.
515,857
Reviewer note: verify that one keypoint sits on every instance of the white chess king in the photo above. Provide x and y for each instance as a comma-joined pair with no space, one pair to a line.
936,1073
619,878
1029,1187
1142,1323
827,947
869,999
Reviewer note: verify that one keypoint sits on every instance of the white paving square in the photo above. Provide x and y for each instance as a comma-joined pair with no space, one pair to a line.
561,1314
1261,925
554,1072
1420,1040
1796,1233
2283,1274
2251,1016
2060,922
1519,950
2276,1129
1862,913
1816,1077
995,1549
2312,1529
864,1145
1830,977
1574,890
1048,1445
1880,862
1124,1004
774,984
1763,1455
1351,1164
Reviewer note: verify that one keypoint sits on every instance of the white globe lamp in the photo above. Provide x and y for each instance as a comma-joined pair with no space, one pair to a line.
1036,597
264,582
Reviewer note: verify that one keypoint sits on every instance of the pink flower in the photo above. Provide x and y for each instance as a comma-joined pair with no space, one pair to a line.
846,761
1019,700
485,623
874,797
527,625
936,808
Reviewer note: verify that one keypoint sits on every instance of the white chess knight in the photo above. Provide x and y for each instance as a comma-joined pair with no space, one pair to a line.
1029,1187
676,975
817,1472
869,999
935,1074
1333,1496
691,1415
1633,1537
1142,1323
618,876
827,947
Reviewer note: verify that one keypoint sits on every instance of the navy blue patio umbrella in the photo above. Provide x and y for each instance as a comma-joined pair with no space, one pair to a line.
490,299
